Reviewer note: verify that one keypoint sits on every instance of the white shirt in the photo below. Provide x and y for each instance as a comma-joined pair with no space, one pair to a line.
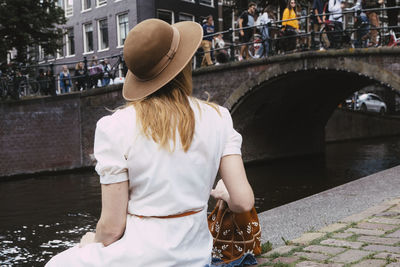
160,183
335,6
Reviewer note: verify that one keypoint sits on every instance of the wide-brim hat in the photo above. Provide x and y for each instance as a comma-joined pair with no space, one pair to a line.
155,52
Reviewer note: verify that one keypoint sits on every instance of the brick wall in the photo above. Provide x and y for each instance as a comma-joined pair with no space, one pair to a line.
52,133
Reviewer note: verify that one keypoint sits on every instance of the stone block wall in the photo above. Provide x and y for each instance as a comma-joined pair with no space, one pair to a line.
39,135
52,133
346,125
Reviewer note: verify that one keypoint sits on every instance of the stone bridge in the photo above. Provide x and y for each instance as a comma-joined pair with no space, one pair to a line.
282,104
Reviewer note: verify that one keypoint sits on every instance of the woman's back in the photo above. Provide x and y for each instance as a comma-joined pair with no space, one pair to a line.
166,182
157,159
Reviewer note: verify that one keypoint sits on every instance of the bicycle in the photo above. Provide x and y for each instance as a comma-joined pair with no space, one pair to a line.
393,40
28,86
7,87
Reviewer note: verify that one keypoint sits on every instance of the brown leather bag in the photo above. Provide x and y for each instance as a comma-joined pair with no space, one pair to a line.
234,234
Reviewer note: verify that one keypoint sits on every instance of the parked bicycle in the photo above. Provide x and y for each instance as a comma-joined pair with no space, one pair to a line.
393,40
28,86
8,86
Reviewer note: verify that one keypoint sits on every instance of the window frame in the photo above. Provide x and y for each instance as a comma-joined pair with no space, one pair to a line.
69,12
85,52
209,5
186,14
119,45
68,43
102,3
100,35
60,53
83,5
168,11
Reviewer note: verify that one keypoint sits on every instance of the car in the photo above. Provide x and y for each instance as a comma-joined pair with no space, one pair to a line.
370,102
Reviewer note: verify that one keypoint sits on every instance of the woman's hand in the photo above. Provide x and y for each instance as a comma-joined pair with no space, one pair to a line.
220,191
87,239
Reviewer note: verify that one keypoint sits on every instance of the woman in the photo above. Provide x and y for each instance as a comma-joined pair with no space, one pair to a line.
65,80
95,73
291,27
80,75
263,22
157,159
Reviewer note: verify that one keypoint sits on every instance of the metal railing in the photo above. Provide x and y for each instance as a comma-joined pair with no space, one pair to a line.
18,80
21,81
305,39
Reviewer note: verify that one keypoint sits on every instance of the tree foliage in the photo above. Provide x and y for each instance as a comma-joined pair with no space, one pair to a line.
28,23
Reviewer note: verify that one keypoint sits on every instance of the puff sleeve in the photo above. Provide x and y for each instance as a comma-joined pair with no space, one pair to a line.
109,151
233,140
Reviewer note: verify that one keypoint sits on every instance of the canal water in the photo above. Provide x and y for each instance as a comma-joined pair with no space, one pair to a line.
42,216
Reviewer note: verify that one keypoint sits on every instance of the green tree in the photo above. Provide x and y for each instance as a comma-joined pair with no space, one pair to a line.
29,23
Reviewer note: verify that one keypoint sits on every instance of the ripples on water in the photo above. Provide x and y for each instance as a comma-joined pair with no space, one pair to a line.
40,217
34,245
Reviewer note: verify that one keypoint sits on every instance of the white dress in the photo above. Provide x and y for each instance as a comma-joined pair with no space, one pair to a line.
160,183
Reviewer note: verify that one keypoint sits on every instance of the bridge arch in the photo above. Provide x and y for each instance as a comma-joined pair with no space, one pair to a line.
282,104
338,62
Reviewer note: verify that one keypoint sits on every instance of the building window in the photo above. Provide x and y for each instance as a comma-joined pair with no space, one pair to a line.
87,38
207,2
185,17
166,15
60,52
59,3
86,4
101,2
69,9
123,28
41,53
103,34
67,5
70,42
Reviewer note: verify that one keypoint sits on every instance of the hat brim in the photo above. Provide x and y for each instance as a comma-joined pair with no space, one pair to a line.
191,34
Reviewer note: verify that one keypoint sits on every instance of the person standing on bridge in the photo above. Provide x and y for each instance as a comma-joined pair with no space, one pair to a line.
263,22
157,158
246,19
208,28
373,19
291,25
318,22
65,80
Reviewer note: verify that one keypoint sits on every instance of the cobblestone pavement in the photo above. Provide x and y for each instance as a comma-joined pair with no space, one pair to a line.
370,238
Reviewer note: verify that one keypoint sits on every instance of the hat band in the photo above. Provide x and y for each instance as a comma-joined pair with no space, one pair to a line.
165,60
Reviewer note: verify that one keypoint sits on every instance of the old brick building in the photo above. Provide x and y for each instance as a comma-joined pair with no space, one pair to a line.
99,27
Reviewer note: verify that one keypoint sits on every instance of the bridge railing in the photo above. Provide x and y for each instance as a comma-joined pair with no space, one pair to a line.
283,41
24,80
18,81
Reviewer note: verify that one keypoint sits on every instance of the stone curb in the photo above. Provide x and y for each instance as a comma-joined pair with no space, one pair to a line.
369,238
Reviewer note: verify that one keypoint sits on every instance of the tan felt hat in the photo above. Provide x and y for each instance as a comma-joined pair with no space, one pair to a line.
155,52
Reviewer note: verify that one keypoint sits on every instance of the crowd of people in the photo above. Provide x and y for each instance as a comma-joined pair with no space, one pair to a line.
98,74
292,31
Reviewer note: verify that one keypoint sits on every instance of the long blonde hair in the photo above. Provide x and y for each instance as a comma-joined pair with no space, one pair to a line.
162,113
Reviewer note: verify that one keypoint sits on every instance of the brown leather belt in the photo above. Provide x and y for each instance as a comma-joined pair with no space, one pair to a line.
169,216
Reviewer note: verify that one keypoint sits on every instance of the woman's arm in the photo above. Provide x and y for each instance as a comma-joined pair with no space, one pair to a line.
111,225
237,193
285,16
